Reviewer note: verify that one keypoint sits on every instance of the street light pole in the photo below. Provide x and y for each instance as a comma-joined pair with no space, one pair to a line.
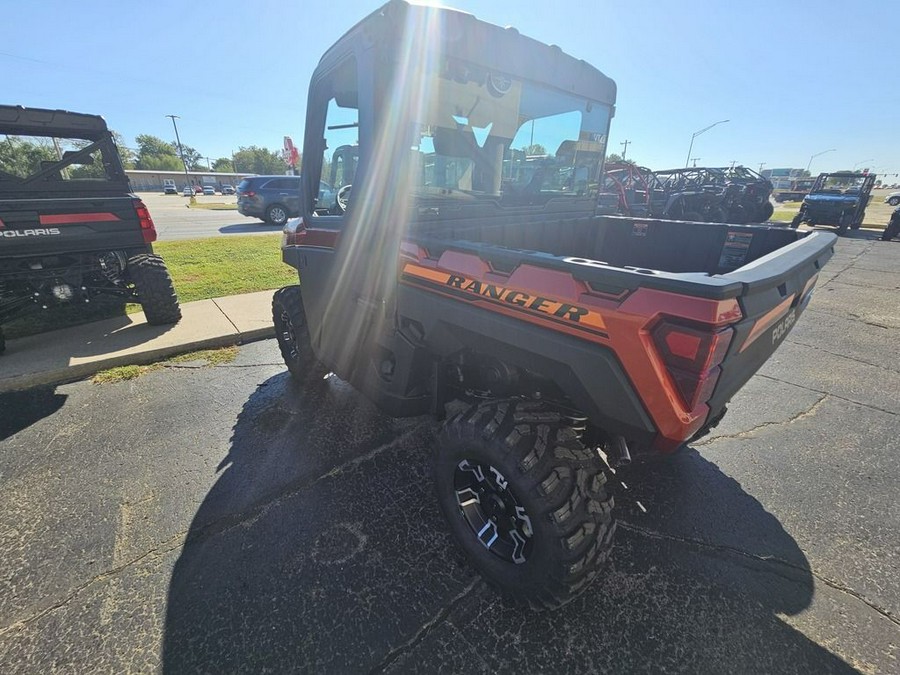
809,163
181,152
862,162
697,133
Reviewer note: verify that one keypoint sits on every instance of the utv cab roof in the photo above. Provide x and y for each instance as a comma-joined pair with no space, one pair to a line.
464,36
16,120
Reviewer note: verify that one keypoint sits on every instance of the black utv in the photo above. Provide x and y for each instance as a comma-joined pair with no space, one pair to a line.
70,228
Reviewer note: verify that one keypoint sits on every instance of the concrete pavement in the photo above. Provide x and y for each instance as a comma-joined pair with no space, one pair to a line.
78,352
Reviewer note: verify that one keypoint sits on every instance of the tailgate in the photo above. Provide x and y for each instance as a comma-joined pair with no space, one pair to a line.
776,290
47,226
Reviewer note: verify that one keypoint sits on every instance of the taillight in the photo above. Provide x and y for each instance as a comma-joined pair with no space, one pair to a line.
148,230
292,232
250,193
692,357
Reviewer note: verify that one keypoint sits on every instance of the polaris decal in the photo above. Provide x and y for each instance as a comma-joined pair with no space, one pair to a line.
506,297
38,232
782,328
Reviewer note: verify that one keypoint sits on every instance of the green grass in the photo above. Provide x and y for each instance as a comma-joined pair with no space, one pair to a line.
211,357
212,268
207,357
121,374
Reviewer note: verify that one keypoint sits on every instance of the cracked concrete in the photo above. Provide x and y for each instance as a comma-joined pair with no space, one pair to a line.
235,522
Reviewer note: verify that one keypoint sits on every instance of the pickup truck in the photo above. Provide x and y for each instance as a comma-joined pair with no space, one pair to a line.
70,228
461,277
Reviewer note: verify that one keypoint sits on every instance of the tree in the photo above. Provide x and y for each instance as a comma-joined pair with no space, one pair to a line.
534,149
616,158
254,159
156,154
21,157
223,164
192,158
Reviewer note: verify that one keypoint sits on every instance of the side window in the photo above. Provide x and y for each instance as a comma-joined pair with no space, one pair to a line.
341,134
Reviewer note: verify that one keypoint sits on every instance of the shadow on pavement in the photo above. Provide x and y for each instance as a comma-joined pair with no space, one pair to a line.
320,549
21,409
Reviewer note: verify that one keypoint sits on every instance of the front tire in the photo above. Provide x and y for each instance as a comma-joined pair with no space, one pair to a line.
795,223
766,210
292,333
525,500
892,230
154,289
276,215
894,201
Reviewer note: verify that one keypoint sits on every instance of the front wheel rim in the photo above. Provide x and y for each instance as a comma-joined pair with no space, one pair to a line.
492,512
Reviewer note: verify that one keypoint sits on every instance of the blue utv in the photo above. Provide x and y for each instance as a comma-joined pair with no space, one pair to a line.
837,199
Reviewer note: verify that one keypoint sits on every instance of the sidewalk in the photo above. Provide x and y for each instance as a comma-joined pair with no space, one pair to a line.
78,352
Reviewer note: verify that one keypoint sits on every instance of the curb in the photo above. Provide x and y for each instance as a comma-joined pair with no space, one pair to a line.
82,371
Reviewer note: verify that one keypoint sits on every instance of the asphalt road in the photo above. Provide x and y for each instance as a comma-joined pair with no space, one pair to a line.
222,519
174,220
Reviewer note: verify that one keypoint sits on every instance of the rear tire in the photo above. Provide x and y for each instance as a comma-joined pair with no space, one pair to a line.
843,225
292,333
154,289
892,230
276,215
894,201
766,211
795,223
525,500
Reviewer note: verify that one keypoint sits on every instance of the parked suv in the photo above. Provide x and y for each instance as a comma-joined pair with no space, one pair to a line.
270,198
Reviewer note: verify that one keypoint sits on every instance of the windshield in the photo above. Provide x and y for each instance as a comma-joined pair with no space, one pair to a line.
480,134
843,184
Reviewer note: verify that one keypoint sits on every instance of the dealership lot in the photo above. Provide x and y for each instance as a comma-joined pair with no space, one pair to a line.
174,220
223,519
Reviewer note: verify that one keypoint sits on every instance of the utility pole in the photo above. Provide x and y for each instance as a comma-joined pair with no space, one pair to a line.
694,160
625,150
733,162
187,178
208,164
761,165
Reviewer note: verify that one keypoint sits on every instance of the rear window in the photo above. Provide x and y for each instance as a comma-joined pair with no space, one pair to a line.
244,185
35,161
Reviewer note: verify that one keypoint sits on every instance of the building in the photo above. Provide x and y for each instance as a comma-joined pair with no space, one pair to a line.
781,178
152,181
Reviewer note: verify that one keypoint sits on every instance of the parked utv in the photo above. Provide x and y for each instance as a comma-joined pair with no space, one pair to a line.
754,194
70,229
470,277
636,190
698,194
837,199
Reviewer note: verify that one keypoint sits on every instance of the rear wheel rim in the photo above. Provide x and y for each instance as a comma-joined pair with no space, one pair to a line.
278,215
492,512
288,336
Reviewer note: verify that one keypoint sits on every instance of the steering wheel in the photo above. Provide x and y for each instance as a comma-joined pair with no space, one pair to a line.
343,198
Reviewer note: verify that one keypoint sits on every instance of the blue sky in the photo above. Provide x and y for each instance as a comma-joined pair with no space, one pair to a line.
793,78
